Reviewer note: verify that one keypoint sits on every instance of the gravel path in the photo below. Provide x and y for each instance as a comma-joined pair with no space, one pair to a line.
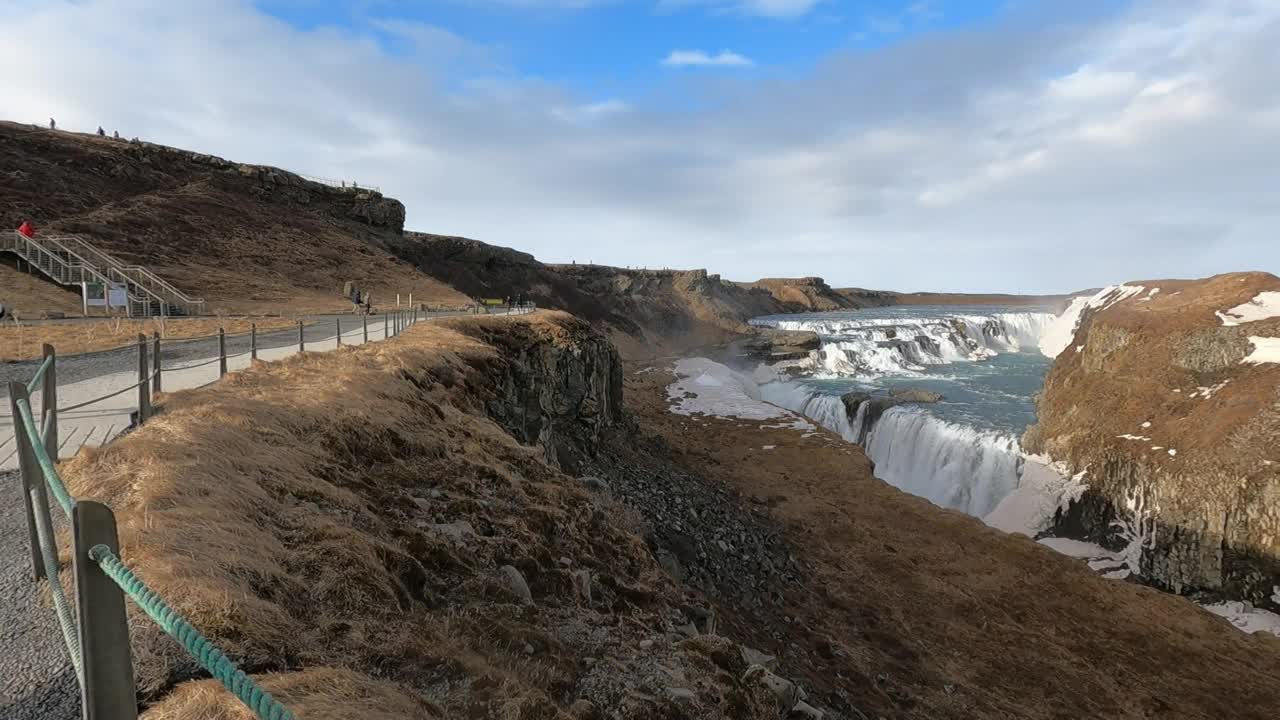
36,678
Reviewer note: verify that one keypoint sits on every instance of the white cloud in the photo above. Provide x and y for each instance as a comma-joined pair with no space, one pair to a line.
782,9
687,58
591,112
953,161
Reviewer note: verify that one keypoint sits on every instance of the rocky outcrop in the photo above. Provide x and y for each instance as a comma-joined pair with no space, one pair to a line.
556,384
773,345
808,294
1152,397
915,395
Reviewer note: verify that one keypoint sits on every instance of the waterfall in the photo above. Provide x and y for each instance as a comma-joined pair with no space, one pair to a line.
950,465
866,347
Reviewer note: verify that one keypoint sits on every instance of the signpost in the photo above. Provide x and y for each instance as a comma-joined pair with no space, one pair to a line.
95,294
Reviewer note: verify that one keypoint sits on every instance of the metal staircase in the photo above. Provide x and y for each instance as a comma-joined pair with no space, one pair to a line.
70,260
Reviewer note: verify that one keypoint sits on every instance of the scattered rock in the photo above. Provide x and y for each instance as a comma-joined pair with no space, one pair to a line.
457,531
646,644
582,585
680,694
583,710
786,692
803,709
595,484
515,582
752,656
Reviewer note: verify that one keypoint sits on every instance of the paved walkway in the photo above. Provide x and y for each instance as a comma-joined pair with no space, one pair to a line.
36,678
184,364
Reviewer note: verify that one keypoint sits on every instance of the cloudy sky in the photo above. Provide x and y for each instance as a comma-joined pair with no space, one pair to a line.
1002,145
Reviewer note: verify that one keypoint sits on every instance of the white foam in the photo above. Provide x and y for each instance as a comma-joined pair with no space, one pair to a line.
1044,488
1263,306
868,347
952,465
1265,350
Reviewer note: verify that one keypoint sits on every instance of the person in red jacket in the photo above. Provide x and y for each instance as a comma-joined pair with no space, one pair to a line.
27,229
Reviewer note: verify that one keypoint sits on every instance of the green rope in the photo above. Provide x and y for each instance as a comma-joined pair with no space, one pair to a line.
42,457
49,553
35,381
204,651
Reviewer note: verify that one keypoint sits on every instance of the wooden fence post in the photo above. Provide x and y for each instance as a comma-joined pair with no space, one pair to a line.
144,387
49,404
337,323
104,628
253,341
29,471
222,352
365,319
155,363
302,346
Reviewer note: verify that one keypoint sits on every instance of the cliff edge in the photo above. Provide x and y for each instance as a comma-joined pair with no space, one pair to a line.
1168,394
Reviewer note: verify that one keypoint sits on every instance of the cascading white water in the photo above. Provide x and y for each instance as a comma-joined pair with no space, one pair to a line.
950,463
871,347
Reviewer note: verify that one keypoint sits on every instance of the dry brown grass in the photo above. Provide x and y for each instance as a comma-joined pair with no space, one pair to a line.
322,694
19,341
289,512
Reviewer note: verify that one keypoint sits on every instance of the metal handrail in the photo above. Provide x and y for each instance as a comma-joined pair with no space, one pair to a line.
105,258
65,271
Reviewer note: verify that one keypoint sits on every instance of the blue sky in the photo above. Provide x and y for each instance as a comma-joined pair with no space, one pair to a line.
614,50
1018,146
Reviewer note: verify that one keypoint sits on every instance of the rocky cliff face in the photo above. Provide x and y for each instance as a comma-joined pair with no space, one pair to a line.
1165,396
811,294
555,384
644,309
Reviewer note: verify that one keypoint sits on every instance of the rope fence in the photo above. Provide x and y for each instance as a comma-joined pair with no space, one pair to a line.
96,631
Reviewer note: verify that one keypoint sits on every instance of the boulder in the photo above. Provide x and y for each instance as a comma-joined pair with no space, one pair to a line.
915,395
515,582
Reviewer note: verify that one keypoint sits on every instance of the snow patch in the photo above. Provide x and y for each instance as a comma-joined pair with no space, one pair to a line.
1263,306
768,447
1246,617
1146,424
709,388
1265,350
1207,392
1074,548
1127,436
1061,331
